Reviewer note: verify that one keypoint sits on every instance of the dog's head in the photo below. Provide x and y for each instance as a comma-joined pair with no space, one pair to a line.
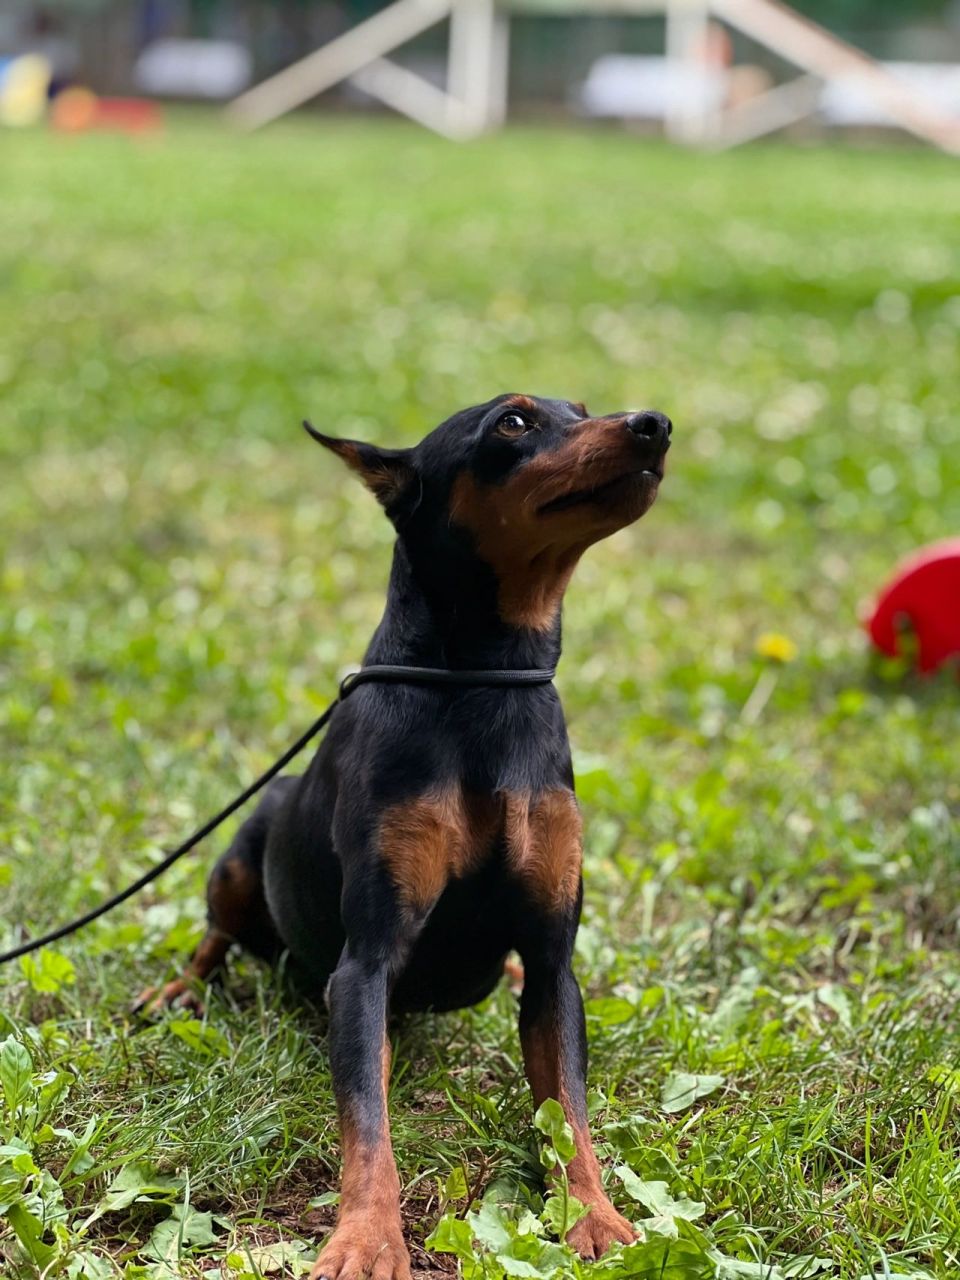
523,485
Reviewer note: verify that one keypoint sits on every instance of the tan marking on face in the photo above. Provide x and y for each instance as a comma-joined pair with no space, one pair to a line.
544,845
531,574
436,837
523,403
534,553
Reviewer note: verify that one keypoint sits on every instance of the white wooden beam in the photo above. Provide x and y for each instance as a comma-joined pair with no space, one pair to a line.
686,46
336,61
412,96
767,112
477,67
817,50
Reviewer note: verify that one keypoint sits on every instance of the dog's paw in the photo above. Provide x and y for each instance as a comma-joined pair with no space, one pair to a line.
363,1250
593,1235
176,994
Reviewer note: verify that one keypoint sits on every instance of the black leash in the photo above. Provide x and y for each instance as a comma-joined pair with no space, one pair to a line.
385,674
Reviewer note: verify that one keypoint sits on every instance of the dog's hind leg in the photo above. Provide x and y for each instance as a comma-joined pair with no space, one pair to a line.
236,909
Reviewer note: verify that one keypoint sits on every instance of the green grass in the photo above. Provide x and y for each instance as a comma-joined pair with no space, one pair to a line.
772,880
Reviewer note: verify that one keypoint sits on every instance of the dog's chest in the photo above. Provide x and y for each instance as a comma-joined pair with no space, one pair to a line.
450,832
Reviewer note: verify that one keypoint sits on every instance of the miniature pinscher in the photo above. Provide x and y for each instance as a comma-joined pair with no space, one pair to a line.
436,829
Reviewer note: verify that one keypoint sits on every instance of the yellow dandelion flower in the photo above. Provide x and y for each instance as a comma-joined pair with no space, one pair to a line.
776,647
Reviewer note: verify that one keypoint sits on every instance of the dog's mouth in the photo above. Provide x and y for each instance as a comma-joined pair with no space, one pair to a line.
648,477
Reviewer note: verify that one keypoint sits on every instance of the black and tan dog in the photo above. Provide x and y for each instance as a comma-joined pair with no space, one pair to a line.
436,829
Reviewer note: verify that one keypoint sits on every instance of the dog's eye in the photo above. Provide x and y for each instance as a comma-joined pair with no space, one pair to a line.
512,425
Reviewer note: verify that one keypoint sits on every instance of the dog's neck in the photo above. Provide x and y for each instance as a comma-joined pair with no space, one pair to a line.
436,616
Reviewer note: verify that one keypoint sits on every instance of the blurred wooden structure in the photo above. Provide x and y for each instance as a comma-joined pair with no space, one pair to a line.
475,97
474,100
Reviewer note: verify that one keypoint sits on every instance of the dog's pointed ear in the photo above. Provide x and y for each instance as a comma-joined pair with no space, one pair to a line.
388,473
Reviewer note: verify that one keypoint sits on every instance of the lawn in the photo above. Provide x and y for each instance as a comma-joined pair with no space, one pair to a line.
769,948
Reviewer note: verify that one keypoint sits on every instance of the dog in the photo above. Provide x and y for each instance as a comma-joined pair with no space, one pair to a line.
436,829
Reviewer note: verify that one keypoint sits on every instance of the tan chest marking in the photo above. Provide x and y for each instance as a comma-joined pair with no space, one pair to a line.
435,838
446,834
544,838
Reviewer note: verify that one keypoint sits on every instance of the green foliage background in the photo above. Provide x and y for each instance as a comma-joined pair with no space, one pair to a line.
769,949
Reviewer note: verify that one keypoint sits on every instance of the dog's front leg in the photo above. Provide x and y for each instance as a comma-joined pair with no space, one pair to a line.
367,1243
554,1039
545,853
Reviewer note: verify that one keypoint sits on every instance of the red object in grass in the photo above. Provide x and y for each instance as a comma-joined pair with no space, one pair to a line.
924,594
128,115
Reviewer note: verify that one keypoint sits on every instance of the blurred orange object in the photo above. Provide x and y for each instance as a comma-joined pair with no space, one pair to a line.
76,110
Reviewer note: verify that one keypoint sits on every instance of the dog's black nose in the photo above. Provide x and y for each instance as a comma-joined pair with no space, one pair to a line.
651,426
